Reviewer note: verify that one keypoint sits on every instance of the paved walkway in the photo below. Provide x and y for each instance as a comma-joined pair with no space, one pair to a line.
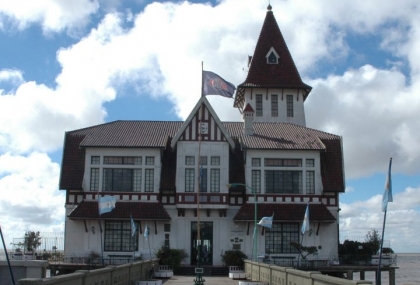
208,280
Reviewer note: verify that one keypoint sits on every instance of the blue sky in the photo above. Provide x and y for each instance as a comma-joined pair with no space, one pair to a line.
69,65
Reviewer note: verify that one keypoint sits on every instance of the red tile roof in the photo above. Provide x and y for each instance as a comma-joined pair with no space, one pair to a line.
284,74
122,210
138,134
284,212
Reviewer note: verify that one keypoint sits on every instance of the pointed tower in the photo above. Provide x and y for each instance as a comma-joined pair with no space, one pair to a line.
273,87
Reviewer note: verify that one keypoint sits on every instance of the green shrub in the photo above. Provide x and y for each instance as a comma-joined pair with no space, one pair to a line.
233,258
171,256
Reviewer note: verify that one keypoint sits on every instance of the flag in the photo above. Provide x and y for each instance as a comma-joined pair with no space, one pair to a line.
133,226
267,222
388,189
106,204
213,84
146,232
305,223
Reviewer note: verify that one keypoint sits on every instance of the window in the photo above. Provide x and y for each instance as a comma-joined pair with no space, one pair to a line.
121,179
94,179
150,160
256,180
256,162
272,58
167,229
274,106
127,160
149,178
289,105
282,181
95,160
118,236
215,160
189,180
189,160
203,179
283,162
258,105
215,180
310,163
310,182
278,238
203,160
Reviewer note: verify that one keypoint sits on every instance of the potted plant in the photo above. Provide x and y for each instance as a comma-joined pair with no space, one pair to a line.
170,256
233,258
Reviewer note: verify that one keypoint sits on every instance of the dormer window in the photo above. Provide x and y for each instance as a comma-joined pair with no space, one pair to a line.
272,56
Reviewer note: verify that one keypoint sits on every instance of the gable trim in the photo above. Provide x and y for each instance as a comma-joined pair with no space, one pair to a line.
205,102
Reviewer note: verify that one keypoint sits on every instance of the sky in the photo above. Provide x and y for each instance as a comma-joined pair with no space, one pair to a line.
66,65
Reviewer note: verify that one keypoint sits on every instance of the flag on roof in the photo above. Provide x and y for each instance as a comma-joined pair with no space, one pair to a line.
267,222
305,223
133,226
213,84
106,204
387,197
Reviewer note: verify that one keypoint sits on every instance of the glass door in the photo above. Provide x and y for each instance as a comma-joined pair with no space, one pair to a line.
205,248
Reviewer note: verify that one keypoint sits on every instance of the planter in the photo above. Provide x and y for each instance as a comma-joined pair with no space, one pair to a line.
149,282
165,271
246,282
237,272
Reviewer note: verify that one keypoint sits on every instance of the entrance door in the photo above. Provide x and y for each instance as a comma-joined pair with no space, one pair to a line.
206,247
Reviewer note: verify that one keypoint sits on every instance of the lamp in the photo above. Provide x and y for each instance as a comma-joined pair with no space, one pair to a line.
255,237
92,229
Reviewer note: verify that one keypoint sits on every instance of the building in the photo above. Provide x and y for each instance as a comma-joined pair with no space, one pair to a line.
152,167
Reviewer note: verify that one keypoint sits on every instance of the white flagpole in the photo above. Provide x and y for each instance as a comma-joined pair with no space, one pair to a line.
387,198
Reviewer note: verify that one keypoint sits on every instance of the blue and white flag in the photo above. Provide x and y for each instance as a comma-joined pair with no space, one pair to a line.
388,189
133,226
267,222
213,84
106,204
305,223
146,232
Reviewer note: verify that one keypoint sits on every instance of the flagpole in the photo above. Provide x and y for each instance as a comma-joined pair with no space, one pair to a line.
202,79
300,250
102,246
199,280
378,281
387,198
7,257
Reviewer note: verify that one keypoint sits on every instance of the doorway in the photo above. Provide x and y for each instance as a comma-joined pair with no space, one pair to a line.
206,247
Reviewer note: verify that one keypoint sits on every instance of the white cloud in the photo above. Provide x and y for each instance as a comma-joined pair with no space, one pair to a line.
30,198
52,15
373,110
13,76
401,228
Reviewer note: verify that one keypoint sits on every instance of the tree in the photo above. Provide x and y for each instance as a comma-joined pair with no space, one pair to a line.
304,251
32,240
373,241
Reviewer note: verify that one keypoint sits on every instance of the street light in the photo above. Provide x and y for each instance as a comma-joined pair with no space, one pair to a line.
255,238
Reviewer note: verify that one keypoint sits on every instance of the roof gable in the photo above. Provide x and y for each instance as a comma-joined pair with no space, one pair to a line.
202,120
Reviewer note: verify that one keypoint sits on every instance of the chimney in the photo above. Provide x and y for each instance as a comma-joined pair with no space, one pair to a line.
248,116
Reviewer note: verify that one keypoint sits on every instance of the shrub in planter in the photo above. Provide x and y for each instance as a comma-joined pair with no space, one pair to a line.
233,258
171,256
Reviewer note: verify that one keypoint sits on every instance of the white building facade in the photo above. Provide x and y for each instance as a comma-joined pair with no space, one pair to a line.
173,176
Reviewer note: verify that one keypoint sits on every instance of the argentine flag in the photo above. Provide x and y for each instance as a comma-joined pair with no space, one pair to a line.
388,189
267,222
305,223
106,204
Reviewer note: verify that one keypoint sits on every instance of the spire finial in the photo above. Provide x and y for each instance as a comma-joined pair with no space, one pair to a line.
269,7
